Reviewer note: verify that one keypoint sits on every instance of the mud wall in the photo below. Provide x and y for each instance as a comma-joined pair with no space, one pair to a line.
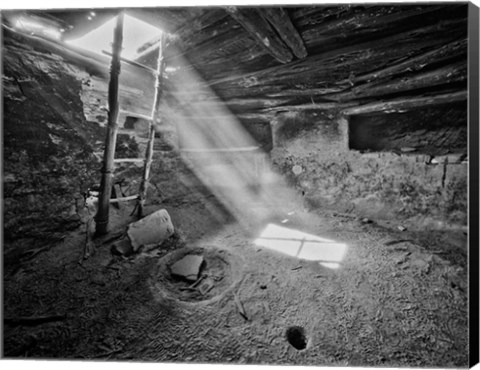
48,144
404,181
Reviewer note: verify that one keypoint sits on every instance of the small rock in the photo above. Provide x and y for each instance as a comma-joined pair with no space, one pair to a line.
122,248
401,228
366,220
188,267
407,149
297,170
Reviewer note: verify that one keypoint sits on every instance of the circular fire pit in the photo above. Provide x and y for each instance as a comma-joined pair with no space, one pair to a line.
197,274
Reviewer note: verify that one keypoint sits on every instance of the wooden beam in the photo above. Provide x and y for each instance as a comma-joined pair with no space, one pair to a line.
106,183
402,105
454,73
280,20
361,58
416,63
260,29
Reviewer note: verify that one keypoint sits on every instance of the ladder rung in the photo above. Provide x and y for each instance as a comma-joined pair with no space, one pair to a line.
137,115
123,160
132,62
124,199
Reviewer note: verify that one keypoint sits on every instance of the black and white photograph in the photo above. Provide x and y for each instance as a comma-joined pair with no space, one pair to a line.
263,184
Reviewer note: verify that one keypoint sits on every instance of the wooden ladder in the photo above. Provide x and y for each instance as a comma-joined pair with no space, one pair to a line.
109,160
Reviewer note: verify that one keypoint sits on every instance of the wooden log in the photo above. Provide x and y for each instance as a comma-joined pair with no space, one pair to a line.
360,58
313,106
280,20
454,48
456,72
106,183
118,195
359,24
261,30
151,134
405,104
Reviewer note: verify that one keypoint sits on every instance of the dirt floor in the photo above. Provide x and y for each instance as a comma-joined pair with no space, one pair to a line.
398,298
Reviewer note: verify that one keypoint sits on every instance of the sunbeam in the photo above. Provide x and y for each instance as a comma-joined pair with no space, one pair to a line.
219,150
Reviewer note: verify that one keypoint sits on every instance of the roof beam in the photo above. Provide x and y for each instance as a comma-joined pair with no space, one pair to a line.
405,104
258,27
280,20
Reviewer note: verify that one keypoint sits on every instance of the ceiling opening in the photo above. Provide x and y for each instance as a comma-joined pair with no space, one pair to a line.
136,33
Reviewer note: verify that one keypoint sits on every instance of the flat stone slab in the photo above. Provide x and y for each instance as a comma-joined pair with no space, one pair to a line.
153,229
188,267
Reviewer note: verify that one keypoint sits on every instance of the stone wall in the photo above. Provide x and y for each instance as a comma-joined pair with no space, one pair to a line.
48,144
412,187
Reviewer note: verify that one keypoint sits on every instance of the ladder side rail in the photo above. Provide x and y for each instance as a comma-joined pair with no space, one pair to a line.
151,137
102,215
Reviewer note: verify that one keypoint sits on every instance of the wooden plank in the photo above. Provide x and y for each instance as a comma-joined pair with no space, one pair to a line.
251,20
280,20
106,183
124,199
137,115
402,105
118,195
128,160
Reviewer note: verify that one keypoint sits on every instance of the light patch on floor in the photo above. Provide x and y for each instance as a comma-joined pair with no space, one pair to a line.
299,244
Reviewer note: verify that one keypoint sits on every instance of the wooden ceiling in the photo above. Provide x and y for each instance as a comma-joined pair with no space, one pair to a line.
265,60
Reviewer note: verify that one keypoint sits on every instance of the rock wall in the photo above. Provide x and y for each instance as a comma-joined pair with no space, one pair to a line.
312,149
48,159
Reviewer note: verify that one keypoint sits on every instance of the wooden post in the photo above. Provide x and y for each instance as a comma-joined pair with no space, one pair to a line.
102,215
151,135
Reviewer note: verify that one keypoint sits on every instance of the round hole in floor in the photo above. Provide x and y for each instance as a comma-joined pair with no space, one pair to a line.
296,337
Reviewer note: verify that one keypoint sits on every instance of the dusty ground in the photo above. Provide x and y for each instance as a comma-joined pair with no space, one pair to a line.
398,298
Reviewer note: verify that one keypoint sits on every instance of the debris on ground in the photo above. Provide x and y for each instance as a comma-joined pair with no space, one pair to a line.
152,229
239,304
122,247
188,267
206,286
393,242
33,320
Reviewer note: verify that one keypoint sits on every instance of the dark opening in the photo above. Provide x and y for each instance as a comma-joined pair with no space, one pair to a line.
296,337
130,122
430,131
